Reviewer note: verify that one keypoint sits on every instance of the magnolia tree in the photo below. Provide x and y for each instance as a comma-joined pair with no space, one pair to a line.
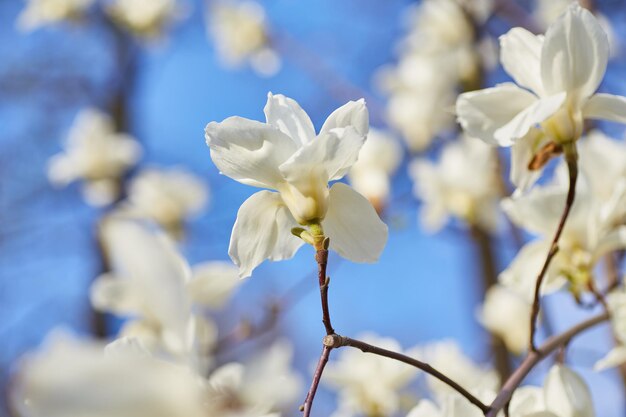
165,358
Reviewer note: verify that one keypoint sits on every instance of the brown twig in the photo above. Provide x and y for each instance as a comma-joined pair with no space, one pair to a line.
572,166
534,357
317,376
336,341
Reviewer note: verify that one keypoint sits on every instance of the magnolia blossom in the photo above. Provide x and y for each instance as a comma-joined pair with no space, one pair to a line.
447,357
378,160
594,228
45,12
506,313
439,53
462,184
69,377
143,17
96,154
152,283
557,76
285,155
239,31
368,384
265,383
167,196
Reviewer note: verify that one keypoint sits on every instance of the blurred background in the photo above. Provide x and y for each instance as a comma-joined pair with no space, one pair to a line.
162,84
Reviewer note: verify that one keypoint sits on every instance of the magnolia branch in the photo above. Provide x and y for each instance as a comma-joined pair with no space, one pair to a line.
534,357
571,157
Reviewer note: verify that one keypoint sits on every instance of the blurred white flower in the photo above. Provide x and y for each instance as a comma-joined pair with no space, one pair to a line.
507,314
95,154
453,405
462,184
167,196
150,282
562,77
38,13
265,383
213,283
379,159
617,306
239,31
285,155
368,384
566,394
144,17
447,357
75,378
594,228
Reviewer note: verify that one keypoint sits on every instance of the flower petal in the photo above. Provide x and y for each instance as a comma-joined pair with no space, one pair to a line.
606,107
262,231
521,154
566,393
249,151
115,295
355,230
615,357
213,283
286,114
575,53
481,113
534,114
520,53
353,113
333,152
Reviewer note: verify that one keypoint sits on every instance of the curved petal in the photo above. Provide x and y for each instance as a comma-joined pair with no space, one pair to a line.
520,54
522,153
575,53
262,230
115,295
615,357
566,393
534,114
213,283
482,112
355,230
287,116
606,107
333,152
249,151
352,114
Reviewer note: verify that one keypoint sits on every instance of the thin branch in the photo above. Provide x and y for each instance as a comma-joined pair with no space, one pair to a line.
321,256
336,341
534,357
317,376
572,166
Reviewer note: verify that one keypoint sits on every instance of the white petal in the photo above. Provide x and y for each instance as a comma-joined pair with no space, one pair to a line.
482,112
355,230
615,357
575,53
115,295
333,152
522,153
520,53
249,151
213,283
566,394
352,114
534,114
262,231
425,408
614,240
286,114
538,211
606,107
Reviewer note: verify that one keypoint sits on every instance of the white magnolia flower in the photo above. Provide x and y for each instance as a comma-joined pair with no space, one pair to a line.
150,282
265,383
167,196
617,306
285,155
507,314
557,76
96,154
40,13
75,378
566,394
239,31
144,17
447,357
378,160
368,384
462,184
594,228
